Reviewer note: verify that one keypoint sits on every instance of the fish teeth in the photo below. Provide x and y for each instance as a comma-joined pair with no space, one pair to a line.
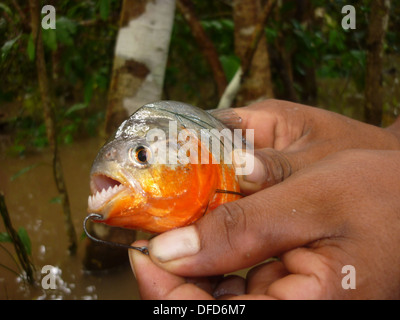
100,198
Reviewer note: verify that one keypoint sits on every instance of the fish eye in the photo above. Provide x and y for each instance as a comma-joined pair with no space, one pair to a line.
140,155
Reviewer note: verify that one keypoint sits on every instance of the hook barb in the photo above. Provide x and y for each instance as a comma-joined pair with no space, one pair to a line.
99,217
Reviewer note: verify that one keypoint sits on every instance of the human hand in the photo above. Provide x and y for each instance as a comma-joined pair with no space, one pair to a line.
290,136
342,210
273,225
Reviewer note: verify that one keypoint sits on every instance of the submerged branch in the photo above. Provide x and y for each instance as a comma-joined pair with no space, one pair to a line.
9,269
20,249
12,258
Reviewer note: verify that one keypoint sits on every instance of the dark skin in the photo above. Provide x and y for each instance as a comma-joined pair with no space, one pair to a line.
325,193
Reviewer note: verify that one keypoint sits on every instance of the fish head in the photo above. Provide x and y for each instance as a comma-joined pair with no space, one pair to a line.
134,187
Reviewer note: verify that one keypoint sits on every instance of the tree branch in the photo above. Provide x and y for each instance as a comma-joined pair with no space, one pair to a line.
255,39
50,123
379,18
241,74
205,44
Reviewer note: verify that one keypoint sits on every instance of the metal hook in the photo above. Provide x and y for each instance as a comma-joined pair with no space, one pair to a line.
95,216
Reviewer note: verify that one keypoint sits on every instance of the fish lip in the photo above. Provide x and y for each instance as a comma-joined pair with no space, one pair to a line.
104,189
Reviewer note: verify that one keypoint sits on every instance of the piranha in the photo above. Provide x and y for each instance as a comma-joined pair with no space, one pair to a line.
163,168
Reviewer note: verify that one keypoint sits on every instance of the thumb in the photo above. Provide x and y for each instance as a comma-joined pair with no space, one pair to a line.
267,168
242,233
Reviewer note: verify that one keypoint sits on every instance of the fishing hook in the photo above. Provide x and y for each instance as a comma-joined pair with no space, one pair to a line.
95,216
230,192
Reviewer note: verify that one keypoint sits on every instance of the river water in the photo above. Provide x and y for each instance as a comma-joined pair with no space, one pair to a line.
30,202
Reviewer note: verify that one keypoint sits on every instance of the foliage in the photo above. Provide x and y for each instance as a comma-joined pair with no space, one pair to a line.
79,55
24,237
21,242
79,59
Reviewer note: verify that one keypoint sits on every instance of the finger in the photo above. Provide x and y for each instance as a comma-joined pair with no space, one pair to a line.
277,123
156,283
264,168
268,167
229,287
261,277
208,284
290,136
312,276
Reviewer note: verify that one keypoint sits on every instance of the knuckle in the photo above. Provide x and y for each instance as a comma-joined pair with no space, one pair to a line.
277,166
234,215
234,222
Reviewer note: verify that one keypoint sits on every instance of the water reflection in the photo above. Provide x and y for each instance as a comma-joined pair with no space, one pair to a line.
30,202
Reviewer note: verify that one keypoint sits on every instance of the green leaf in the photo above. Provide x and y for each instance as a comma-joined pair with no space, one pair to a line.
104,9
65,30
17,149
76,107
26,241
6,48
23,170
68,138
83,235
271,34
50,39
228,24
88,91
30,49
230,64
5,237
6,9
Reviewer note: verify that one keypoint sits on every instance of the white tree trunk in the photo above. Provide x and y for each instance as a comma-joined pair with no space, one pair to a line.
141,53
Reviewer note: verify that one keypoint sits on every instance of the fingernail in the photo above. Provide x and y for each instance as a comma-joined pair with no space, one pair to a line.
253,169
175,244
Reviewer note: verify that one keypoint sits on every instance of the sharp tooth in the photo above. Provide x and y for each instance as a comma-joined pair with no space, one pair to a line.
91,201
101,196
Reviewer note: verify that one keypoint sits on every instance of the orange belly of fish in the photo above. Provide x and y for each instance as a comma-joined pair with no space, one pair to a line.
180,203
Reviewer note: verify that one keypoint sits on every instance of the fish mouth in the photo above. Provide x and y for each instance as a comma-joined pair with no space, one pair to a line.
104,189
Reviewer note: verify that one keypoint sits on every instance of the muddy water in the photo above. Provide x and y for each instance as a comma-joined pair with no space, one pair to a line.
29,201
